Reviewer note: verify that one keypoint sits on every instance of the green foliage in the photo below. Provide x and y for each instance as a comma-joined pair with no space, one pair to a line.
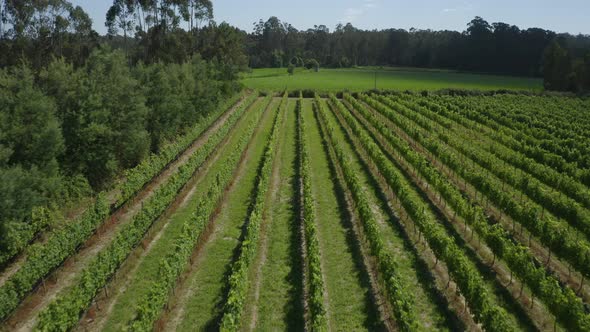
103,111
30,144
562,207
463,272
172,92
115,106
556,68
63,312
238,280
558,146
497,47
65,242
553,233
562,301
291,69
388,78
44,258
43,29
30,128
400,300
314,269
312,64
90,124
138,176
149,307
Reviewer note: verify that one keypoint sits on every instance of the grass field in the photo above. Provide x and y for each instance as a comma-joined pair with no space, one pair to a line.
363,79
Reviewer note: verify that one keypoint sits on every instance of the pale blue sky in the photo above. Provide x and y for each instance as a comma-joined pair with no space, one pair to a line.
558,15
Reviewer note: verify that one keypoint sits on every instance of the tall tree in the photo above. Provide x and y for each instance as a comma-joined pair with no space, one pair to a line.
480,43
556,68
120,16
2,17
201,11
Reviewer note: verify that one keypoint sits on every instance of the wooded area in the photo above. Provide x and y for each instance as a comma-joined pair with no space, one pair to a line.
562,59
79,108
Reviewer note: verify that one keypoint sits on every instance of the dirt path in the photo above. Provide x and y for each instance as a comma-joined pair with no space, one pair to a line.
172,318
99,312
25,317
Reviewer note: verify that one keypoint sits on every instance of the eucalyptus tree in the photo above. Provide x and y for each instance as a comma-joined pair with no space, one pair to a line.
120,16
2,17
201,11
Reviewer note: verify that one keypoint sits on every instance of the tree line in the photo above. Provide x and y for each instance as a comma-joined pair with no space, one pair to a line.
563,60
78,109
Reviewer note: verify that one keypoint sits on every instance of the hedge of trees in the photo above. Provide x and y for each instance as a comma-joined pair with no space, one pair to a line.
77,109
562,59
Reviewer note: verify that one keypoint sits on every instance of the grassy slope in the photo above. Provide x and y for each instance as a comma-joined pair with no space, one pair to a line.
279,304
208,282
431,317
387,79
349,307
148,269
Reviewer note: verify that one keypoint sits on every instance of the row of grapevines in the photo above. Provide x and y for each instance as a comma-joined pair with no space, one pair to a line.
562,302
554,234
463,271
516,140
44,258
64,312
557,125
150,306
560,205
137,177
314,269
238,279
401,301
561,181
41,218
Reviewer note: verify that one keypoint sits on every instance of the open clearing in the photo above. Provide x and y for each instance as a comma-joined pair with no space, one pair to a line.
362,79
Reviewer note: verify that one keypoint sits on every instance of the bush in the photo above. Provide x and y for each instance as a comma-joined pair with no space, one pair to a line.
312,64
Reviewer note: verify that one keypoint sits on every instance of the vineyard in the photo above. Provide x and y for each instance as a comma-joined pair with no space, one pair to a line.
330,212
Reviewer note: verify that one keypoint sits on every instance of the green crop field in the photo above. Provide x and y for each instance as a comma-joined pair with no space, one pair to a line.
390,211
362,79
159,173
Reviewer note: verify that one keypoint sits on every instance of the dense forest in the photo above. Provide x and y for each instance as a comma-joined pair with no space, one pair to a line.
562,59
77,109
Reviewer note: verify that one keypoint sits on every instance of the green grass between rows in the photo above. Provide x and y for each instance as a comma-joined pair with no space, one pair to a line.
279,304
147,271
208,282
415,276
349,304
